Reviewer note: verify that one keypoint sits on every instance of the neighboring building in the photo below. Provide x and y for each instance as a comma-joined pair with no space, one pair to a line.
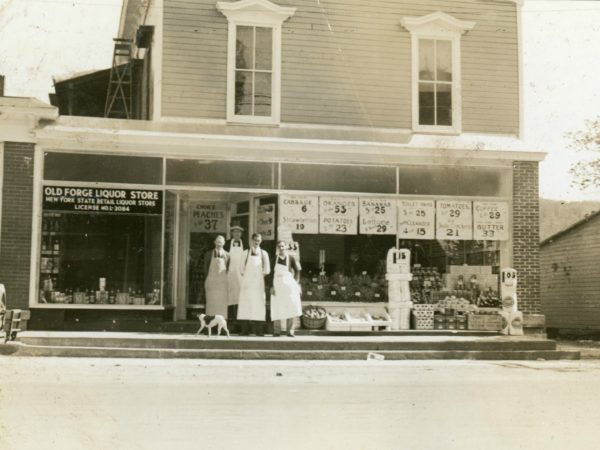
300,114
570,278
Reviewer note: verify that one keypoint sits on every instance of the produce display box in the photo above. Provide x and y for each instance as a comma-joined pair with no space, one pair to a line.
359,320
379,318
337,320
485,322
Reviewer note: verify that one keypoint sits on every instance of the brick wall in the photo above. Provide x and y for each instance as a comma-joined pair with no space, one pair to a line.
15,240
526,235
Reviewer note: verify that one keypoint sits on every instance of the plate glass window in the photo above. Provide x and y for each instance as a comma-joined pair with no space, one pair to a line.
435,82
253,71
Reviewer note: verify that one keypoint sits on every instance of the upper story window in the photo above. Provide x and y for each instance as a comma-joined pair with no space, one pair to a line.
436,89
254,60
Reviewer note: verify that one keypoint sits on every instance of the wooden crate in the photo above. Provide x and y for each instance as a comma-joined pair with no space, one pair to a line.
485,322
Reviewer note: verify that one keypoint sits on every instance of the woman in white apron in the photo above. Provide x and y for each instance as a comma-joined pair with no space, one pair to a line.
215,284
285,289
252,302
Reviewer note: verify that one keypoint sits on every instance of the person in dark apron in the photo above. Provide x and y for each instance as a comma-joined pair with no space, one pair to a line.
215,284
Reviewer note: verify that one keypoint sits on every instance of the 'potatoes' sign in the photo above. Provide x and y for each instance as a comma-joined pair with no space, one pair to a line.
102,200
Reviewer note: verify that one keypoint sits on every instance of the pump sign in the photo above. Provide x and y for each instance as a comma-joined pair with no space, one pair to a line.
102,200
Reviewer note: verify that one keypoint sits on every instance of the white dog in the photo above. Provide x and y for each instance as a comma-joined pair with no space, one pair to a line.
217,320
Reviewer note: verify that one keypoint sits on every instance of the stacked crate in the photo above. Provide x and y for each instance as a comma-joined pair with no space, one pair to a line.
422,317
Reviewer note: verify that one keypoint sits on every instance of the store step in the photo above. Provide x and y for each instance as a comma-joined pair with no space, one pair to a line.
142,345
191,327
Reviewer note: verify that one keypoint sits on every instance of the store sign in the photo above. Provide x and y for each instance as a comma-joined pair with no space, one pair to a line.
416,219
338,215
208,217
265,221
300,213
102,200
377,216
454,220
490,221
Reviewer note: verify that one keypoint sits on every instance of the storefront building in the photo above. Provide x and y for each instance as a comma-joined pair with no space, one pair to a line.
353,135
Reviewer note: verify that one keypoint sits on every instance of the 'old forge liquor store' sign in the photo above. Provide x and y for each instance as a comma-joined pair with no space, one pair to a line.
102,200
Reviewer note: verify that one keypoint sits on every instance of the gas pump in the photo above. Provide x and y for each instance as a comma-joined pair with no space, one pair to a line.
508,296
398,276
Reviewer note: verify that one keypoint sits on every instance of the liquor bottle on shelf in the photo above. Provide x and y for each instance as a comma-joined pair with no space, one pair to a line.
56,245
44,245
111,297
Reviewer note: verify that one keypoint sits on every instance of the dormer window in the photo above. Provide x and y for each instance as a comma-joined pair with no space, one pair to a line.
436,90
254,60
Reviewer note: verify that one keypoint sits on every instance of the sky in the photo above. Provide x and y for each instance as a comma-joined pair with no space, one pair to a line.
561,58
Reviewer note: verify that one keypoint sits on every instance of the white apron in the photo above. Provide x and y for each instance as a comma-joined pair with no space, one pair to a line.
216,287
252,290
234,276
285,304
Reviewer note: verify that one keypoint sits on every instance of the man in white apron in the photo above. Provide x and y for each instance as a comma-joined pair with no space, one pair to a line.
235,248
285,289
215,284
252,302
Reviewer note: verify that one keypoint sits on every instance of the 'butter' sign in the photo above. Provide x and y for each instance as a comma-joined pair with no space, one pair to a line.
490,221
102,200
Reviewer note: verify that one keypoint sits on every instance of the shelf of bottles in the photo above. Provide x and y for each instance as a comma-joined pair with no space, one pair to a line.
52,286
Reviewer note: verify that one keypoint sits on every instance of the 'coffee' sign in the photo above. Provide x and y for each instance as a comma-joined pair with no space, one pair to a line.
102,200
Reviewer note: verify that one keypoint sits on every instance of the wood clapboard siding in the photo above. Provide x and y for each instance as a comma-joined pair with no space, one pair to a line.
570,279
346,62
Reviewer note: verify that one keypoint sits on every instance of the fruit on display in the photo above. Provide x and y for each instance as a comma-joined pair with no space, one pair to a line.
489,299
314,312
337,317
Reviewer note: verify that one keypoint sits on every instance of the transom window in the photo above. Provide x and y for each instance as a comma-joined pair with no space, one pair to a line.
435,82
253,71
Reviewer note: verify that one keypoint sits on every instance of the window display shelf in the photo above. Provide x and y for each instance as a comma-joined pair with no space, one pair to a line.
94,306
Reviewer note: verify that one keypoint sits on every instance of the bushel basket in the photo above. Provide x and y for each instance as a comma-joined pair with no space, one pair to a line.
313,324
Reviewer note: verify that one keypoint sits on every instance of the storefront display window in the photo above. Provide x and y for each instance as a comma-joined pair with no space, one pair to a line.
100,246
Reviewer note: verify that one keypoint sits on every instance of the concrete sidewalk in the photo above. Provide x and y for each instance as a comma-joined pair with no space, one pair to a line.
587,348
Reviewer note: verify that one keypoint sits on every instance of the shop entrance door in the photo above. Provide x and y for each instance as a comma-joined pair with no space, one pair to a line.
204,215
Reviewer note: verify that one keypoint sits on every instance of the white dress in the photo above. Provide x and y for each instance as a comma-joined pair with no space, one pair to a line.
252,303
285,304
234,276
216,287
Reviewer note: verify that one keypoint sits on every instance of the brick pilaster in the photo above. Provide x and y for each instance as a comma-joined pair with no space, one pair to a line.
526,235
15,240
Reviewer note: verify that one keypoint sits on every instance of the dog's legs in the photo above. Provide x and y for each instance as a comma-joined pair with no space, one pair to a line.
200,329
209,331
226,330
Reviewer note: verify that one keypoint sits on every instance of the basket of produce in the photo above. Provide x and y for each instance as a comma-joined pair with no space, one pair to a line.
314,317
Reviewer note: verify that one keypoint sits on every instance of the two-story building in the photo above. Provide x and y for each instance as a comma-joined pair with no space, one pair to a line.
353,126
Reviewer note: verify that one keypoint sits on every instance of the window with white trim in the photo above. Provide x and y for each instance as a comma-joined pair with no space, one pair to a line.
253,71
254,60
436,88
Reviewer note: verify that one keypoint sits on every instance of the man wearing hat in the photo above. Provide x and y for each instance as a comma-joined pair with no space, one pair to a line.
235,248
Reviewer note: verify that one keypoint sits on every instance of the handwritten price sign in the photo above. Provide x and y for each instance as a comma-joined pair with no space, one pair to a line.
377,216
299,213
338,215
454,220
416,219
490,220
